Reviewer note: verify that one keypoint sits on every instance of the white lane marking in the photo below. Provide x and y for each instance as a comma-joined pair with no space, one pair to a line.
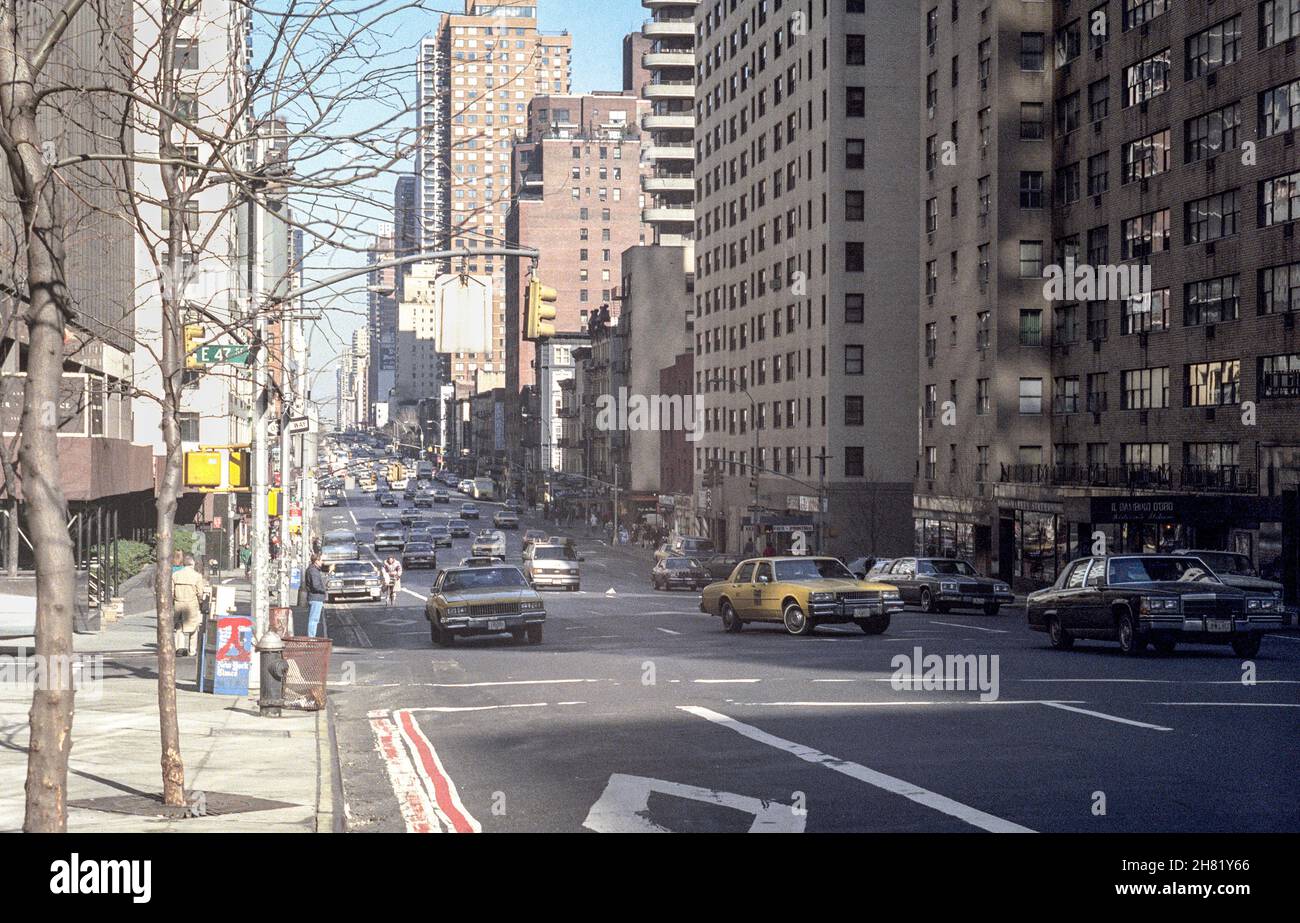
910,791
1169,682
624,804
417,811
720,682
667,631
415,594
996,631
1106,717
1283,637
835,681
452,709
516,682
891,703
354,518
1238,705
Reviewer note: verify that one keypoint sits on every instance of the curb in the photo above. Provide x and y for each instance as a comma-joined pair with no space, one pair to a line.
329,775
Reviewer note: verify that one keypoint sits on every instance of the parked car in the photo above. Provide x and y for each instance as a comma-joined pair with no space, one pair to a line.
554,565
719,564
489,543
352,579
505,520
468,511
940,584
459,528
387,499
1144,599
679,573
1235,569
863,566
484,600
419,554
389,535
800,593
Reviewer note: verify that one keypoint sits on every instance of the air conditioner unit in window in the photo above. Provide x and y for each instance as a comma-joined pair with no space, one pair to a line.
1209,249
1209,413
1212,79
1209,165
1209,331
1142,340
1143,417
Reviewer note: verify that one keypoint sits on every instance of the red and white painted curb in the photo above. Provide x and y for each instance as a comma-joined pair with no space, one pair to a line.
426,794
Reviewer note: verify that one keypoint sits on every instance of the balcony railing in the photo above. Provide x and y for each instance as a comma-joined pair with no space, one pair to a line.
1201,478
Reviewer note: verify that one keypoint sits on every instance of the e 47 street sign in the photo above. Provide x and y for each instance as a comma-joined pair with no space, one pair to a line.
217,353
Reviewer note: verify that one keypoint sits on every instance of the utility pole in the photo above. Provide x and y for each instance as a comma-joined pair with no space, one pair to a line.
821,456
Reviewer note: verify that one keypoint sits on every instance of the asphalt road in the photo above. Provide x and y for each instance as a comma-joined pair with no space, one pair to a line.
639,713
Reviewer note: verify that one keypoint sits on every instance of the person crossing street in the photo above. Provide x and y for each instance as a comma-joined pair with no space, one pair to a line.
392,574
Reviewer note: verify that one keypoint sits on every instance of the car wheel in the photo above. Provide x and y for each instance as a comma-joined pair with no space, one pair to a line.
519,635
1165,646
1061,639
875,625
927,601
1131,641
730,621
441,636
1246,646
796,620
992,609
534,634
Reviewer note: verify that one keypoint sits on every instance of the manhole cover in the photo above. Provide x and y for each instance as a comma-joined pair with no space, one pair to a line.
204,803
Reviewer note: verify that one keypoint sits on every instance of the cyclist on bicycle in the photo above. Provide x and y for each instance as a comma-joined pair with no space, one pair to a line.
392,571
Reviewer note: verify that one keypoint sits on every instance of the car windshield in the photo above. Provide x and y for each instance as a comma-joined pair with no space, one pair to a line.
483,577
681,564
1182,569
387,526
811,569
1222,562
353,569
420,547
696,544
948,568
553,553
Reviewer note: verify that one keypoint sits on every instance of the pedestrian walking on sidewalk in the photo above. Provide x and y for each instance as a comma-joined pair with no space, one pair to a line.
246,558
189,590
317,595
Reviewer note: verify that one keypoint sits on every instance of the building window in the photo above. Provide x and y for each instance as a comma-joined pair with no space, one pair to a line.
1279,109
931,462
982,324
1213,48
853,360
931,340
1211,134
1099,99
1067,114
1279,20
981,463
1210,218
189,426
1098,173
981,396
855,205
855,50
1279,289
187,54
1146,79
854,410
1067,184
855,259
1144,457
854,461
1279,200
1210,301
1031,259
854,308
1212,384
1031,121
1031,395
1138,12
1065,394
1145,312
1144,235
855,101
1145,157
1031,51
855,154
1279,376
1031,327
1144,389
1031,189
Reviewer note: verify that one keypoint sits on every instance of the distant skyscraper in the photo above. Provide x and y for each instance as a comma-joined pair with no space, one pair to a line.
381,371
406,223
475,79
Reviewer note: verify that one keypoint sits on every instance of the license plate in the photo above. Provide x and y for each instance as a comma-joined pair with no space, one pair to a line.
1218,625
496,625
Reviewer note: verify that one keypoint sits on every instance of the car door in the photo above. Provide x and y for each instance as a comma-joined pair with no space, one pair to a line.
902,574
1091,612
1066,601
741,590
765,603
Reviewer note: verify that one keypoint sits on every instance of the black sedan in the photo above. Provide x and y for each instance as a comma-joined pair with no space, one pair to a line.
679,573
419,554
1154,599
940,584
388,499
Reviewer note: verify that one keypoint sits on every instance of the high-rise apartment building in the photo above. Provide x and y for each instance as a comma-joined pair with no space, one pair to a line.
475,78
670,125
1141,155
383,296
805,253
577,200
406,223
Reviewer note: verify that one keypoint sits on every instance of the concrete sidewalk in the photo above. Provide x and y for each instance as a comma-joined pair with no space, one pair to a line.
280,771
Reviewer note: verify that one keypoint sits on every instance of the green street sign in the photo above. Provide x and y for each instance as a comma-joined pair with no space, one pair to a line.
217,353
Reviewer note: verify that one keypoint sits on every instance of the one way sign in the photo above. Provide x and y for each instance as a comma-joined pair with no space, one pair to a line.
299,425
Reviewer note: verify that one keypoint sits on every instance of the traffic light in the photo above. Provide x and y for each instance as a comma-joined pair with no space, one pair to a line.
193,340
540,311
238,470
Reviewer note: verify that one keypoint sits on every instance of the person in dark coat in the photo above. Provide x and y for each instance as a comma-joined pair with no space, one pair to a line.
317,595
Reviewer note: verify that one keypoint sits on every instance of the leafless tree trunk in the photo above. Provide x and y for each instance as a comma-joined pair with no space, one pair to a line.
29,172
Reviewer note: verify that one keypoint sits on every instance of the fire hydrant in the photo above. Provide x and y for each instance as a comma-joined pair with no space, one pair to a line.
270,696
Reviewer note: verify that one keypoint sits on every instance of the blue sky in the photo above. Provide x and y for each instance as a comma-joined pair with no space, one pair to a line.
597,28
